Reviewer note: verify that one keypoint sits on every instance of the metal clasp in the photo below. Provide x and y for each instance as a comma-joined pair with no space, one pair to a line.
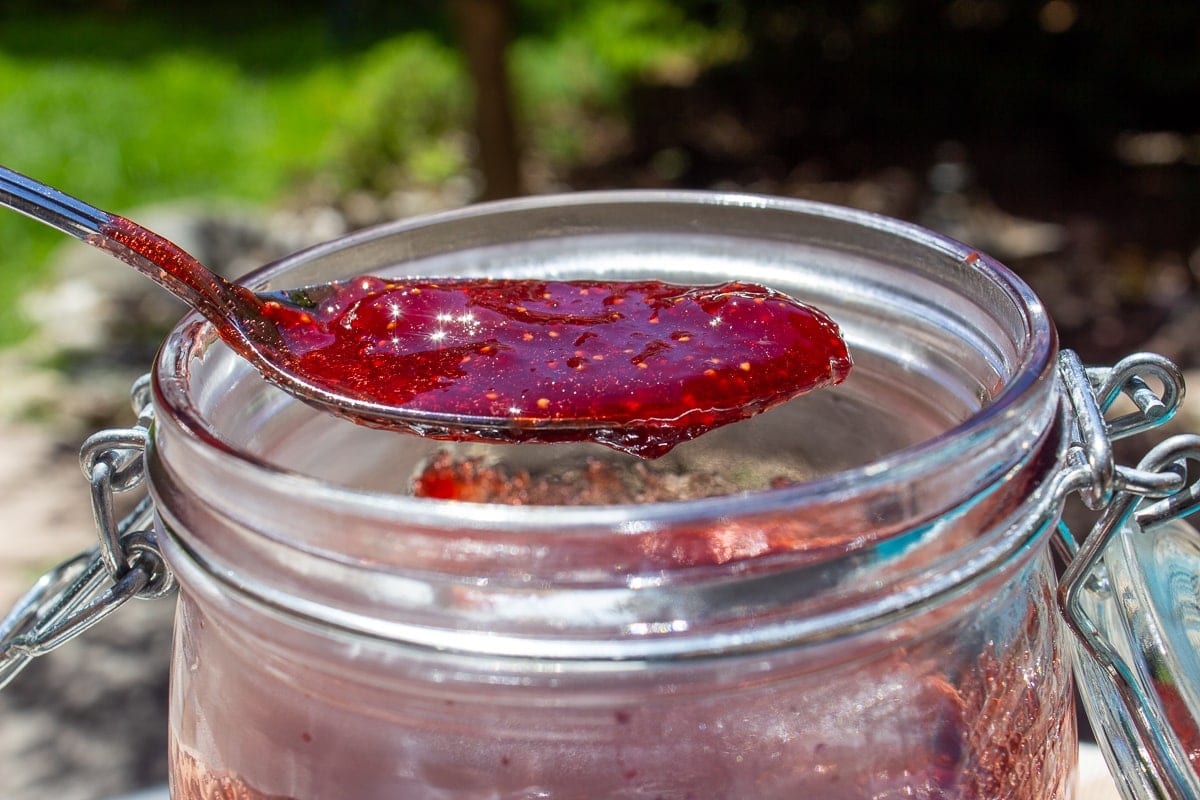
126,563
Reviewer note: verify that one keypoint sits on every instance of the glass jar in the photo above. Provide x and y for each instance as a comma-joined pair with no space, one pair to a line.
860,604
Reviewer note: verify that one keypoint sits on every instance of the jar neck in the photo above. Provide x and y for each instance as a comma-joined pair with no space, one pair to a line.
915,466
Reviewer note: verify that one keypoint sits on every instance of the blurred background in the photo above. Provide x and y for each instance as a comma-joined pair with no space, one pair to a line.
1062,137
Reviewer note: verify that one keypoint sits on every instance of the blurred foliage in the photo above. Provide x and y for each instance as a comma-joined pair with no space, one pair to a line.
573,65
404,105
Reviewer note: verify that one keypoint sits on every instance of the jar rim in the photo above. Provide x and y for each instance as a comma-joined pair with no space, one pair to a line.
1033,368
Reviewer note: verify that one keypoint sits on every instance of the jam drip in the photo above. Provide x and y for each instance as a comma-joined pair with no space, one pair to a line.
639,366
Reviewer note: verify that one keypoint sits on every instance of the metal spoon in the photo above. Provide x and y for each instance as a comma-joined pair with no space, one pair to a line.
722,353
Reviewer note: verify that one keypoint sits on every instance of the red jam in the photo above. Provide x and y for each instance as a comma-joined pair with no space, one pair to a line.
639,366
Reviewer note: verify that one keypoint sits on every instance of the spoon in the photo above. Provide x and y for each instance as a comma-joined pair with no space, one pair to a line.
637,366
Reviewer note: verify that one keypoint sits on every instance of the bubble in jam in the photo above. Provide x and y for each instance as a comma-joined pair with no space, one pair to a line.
640,366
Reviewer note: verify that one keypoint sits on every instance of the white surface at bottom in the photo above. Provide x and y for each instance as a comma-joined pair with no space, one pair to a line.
1095,783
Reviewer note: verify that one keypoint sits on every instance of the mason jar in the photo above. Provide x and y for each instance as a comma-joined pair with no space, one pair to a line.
849,596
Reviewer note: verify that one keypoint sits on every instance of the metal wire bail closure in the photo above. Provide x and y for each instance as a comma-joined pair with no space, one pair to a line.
125,563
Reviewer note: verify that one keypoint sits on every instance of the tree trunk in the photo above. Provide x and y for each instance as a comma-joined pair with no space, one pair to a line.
483,30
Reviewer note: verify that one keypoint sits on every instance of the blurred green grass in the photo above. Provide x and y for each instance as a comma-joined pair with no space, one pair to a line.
125,110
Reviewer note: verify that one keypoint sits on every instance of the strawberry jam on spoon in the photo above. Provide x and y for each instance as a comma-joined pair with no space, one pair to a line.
638,366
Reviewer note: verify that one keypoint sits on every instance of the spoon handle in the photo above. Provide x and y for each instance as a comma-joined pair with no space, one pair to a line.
49,205
155,257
